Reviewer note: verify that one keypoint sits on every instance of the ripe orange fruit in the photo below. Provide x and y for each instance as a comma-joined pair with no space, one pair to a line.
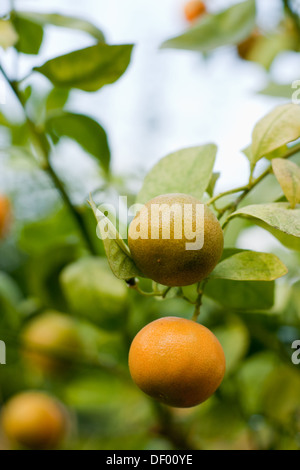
5,216
177,362
34,420
159,241
194,9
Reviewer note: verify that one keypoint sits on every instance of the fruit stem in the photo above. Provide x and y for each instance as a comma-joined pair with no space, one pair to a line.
198,303
136,287
226,193
231,207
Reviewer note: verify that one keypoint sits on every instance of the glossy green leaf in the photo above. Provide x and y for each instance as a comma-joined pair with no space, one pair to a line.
288,176
94,292
57,99
88,69
226,28
85,131
64,21
278,218
187,171
8,34
250,266
117,252
30,35
278,128
243,295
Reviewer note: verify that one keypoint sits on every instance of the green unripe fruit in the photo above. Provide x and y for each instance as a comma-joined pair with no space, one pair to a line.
51,341
167,260
94,293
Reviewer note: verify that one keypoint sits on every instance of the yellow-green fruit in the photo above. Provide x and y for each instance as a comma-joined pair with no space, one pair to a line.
51,342
166,259
34,420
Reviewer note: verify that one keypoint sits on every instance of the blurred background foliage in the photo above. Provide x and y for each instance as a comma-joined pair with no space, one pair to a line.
51,262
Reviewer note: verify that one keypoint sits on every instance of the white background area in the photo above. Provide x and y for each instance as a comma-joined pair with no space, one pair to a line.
167,99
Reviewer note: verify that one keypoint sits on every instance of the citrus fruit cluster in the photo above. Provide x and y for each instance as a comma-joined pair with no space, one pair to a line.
176,361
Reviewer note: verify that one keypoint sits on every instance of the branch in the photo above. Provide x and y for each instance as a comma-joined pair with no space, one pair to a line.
43,144
245,190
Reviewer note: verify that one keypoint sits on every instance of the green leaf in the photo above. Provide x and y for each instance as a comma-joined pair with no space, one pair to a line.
251,379
212,184
10,297
226,28
8,34
64,22
57,99
234,338
30,35
288,176
241,295
187,171
278,90
278,218
281,394
85,131
117,252
248,152
94,292
250,266
42,273
265,49
56,229
278,128
88,69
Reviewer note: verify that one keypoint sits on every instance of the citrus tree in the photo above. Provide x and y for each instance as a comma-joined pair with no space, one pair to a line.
211,334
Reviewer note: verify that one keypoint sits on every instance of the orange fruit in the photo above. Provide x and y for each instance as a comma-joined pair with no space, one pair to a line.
34,420
160,242
5,216
194,9
176,361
